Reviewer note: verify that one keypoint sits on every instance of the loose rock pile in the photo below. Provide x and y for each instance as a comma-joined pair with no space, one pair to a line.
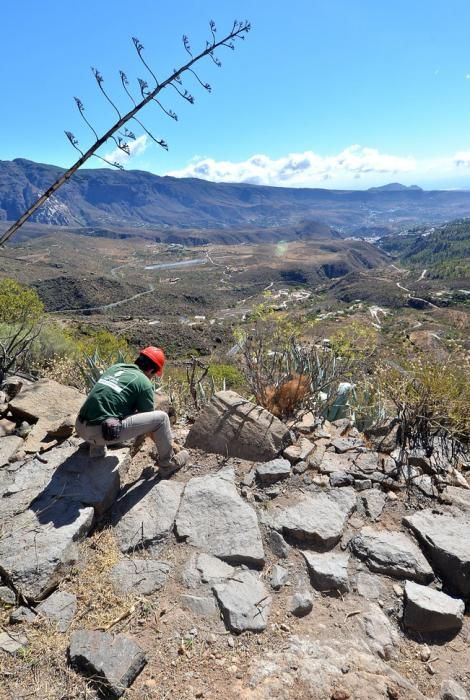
308,533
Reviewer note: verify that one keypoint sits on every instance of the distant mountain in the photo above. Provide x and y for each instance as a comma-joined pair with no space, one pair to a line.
135,202
395,187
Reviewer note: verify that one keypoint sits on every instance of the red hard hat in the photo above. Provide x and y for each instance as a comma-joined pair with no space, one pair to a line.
157,356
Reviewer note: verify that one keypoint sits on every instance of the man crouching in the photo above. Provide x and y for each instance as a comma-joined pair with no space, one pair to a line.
121,407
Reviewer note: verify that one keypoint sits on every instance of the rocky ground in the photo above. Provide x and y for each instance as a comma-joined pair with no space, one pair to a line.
282,562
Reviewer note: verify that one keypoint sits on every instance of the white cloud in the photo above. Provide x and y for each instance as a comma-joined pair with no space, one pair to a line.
136,148
300,169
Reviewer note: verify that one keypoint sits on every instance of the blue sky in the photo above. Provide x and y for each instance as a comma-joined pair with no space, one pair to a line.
326,93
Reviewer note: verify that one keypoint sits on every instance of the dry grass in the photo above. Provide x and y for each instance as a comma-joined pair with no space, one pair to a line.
41,669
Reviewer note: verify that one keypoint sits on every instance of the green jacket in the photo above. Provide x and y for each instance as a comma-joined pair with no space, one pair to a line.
120,391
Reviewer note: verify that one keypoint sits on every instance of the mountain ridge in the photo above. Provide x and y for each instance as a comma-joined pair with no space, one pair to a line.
136,199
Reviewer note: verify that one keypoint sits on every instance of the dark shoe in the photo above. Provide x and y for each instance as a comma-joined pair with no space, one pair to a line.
174,464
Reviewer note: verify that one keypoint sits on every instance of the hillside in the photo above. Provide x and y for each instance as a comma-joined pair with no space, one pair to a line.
444,251
135,200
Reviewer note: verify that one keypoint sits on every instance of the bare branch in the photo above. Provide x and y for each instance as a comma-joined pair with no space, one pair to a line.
139,48
237,32
160,142
187,45
100,80
81,109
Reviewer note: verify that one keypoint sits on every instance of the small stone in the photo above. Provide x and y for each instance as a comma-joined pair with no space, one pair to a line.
273,471
7,596
244,602
362,484
300,467
22,614
373,502
230,642
279,576
398,590
340,694
338,479
11,643
278,545
299,452
284,627
425,653
300,604
392,496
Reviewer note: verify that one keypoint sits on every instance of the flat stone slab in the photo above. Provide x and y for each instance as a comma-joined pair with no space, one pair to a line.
46,399
328,571
66,472
142,576
316,519
214,518
446,541
112,661
8,446
275,470
391,553
345,444
232,426
39,545
427,610
244,602
59,609
145,515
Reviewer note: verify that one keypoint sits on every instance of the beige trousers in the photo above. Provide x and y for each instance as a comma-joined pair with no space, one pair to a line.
155,422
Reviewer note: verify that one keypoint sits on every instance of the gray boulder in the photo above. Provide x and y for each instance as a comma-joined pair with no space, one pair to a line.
427,610
110,661
446,541
45,400
391,553
317,519
145,514
451,690
234,427
328,571
275,470
59,609
142,576
40,546
214,518
244,602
